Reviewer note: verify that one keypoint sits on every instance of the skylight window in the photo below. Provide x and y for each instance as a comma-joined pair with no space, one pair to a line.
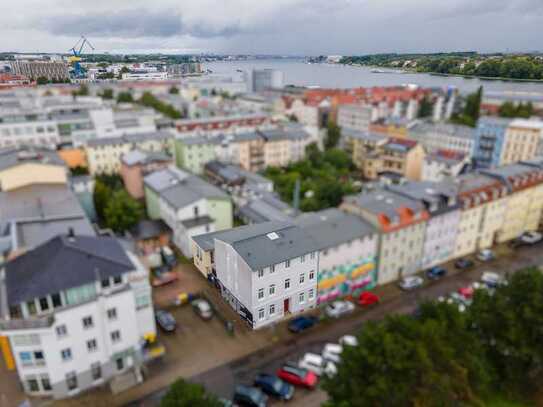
272,236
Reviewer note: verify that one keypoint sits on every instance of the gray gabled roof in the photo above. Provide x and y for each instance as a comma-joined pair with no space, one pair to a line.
11,157
63,263
258,250
332,227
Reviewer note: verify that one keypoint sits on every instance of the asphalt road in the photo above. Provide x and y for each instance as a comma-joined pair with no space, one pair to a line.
222,379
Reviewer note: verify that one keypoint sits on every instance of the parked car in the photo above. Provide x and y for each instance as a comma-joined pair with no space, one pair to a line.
274,386
485,255
202,308
436,273
168,256
368,298
460,299
302,323
463,264
298,376
466,292
338,308
317,364
250,396
165,320
332,352
348,340
530,238
411,282
162,276
491,279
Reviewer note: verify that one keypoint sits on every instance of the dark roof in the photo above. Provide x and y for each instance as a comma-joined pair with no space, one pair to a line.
148,229
62,263
10,157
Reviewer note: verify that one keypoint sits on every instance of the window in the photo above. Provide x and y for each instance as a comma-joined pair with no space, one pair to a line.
87,322
33,385
44,304
92,346
45,383
312,274
115,336
302,278
260,273
117,280
71,381
61,331
272,309
311,294
287,264
260,293
272,269
96,371
302,298
39,359
272,289
261,314
31,307
105,283
302,259
66,354
312,255
143,300
112,313
26,358
287,283
120,363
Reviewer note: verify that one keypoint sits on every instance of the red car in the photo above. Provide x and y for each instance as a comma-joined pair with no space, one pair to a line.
368,298
298,376
466,292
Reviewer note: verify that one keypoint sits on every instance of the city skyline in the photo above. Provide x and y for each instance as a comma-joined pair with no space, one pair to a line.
285,27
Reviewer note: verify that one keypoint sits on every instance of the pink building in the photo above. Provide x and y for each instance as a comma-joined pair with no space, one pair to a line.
137,164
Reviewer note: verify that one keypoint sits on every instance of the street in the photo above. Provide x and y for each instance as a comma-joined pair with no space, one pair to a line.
221,380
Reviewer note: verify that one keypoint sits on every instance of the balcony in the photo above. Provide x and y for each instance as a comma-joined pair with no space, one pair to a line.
30,323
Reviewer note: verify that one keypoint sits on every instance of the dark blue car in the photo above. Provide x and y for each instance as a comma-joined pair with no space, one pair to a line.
274,386
436,272
300,324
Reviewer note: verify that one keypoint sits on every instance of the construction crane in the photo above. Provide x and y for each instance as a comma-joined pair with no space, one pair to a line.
75,59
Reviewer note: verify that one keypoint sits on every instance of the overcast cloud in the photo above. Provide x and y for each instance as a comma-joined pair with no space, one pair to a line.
302,27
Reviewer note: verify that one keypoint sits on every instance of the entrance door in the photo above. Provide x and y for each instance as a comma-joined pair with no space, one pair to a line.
286,304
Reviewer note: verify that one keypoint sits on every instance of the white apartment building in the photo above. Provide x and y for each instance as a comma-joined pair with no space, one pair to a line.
444,136
267,271
22,127
444,165
76,313
355,117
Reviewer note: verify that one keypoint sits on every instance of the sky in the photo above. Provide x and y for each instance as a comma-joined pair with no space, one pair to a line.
281,27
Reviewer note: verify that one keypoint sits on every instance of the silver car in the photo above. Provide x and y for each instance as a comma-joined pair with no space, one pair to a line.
411,282
202,308
338,308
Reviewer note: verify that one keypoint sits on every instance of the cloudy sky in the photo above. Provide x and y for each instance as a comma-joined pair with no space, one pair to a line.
302,27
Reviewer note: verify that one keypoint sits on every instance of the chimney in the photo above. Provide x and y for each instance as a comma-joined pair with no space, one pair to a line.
71,234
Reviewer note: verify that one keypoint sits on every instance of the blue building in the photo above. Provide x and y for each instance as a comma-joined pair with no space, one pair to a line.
489,141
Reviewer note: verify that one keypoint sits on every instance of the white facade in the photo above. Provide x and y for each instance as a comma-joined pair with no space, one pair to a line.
270,294
440,238
356,117
41,132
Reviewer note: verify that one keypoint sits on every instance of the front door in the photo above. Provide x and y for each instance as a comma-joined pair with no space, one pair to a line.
286,304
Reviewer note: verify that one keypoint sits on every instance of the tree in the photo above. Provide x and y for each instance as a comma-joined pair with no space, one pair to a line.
101,195
123,70
42,80
185,394
174,90
403,361
82,91
122,212
472,109
107,94
426,108
332,136
125,97
79,171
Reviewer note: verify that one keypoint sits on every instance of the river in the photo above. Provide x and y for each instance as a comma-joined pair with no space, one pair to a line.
297,72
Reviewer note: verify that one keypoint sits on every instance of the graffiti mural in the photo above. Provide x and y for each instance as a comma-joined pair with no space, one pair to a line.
344,279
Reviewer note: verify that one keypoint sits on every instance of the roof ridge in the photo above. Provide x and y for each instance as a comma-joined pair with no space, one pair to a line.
82,250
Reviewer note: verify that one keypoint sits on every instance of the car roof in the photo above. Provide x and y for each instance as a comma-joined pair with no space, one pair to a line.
293,369
313,358
334,347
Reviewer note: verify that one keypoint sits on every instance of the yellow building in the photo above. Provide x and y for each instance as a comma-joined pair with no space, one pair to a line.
524,208
25,166
521,141
484,200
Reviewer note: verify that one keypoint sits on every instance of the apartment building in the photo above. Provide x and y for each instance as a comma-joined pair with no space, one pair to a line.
213,126
104,154
136,164
523,139
356,117
443,136
347,246
51,70
259,80
441,203
187,204
524,204
194,153
362,146
396,158
401,223
27,127
76,312
483,202
442,165
265,271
